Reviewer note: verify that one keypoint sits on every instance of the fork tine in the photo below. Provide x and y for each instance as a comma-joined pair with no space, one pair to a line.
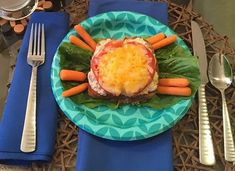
39,39
43,41
35,39
30,49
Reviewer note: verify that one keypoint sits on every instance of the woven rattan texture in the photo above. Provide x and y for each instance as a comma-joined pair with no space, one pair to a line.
185,139
185,133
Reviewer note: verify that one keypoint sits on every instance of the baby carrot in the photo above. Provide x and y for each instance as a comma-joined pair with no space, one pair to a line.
177,91
174,82
156,38
72,75
75,90
164,42
78,42
86,37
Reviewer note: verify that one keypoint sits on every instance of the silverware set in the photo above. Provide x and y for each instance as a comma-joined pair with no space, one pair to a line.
219,73
35,58
220,76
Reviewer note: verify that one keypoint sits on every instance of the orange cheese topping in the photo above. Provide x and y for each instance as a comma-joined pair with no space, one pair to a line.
124,70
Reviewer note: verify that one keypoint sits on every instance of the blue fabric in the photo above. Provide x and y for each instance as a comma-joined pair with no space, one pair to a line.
11,126
156,10
153,154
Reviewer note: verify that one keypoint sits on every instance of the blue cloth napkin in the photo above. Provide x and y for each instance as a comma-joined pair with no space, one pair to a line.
11,126
153,154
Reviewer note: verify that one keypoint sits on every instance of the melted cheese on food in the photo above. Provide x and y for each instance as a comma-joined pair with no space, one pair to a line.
124,70
96,87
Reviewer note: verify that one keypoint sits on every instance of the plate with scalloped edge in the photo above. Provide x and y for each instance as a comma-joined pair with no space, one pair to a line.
127,122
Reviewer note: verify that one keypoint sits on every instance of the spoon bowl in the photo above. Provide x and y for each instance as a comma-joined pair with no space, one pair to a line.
220,72
221,76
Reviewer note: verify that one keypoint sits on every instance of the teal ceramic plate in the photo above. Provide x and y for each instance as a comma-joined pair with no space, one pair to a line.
127,122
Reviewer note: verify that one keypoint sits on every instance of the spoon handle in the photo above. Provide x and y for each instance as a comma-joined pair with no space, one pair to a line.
229,149
206,150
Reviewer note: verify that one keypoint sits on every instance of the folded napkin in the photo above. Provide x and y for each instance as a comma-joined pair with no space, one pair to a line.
153,154
156,10
11,126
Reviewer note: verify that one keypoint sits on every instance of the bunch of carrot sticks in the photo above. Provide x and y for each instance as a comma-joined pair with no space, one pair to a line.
160,40
157,41
71,75
174,86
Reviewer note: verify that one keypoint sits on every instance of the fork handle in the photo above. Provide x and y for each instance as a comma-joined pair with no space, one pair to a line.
28,141
229,149
206,150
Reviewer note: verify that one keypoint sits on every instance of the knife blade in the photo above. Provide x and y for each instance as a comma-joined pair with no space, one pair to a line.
206,149
199,50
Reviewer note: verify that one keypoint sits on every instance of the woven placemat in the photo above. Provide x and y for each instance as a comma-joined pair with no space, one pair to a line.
185,133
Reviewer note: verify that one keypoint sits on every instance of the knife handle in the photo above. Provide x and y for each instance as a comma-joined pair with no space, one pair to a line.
206,150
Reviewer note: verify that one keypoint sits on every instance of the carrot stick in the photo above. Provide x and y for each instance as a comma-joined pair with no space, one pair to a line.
86,37
173,82
71,75
177,91
156,38
164,42
75,90
78,42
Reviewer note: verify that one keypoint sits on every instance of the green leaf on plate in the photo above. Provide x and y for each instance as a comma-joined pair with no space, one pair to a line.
142,121
78,117
168,118
131,18
104,117
102,131
140,29
111,16
87,128
120,111
90,114
179,110
153,21
101,109
121,16
98,22
151,30
130,111
128,135
92,121
118,26
95,31
130,27
108,24
117,120
139,135
73,57
144,112
141,19
117,35
105,33
130,122
155,127
114,133
143,128
89,21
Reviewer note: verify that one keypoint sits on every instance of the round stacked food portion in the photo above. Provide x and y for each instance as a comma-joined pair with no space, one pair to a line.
123,70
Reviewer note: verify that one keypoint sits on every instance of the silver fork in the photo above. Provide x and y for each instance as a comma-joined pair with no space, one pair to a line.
35,58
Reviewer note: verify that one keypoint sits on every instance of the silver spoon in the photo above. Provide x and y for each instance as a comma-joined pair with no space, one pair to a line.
221,76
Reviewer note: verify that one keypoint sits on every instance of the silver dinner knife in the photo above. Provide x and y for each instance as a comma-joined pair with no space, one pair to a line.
206,149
